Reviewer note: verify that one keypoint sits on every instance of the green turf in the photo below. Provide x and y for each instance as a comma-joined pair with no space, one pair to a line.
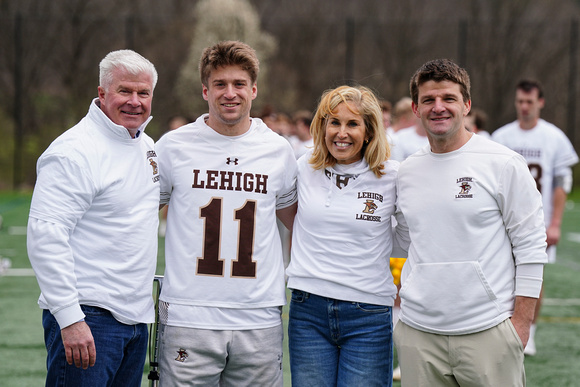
22,353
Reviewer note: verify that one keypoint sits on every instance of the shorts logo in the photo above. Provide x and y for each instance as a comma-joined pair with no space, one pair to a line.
465,186
181,355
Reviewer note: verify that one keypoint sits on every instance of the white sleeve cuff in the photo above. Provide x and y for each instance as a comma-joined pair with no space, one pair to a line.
529,279
69,315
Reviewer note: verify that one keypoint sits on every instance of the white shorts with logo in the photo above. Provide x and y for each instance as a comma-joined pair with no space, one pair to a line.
203,357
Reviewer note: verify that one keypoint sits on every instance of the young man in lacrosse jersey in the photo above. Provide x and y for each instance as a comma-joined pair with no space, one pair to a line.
226,177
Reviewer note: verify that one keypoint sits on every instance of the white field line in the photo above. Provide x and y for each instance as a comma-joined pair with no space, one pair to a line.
561,301
17,230
573,237
18,273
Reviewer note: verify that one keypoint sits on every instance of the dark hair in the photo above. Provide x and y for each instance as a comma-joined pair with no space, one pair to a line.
228,53
479,118
304,116
527,85
386,106
439,70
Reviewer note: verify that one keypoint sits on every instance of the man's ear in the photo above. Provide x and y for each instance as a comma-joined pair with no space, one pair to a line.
415,109
254,91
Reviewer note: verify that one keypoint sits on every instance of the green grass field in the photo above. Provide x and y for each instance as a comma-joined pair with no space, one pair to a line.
22,352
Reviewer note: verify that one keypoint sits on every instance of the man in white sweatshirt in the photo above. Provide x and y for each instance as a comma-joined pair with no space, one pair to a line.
92,233
475,264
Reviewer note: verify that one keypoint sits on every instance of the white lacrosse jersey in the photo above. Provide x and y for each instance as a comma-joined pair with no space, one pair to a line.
222,247
547,150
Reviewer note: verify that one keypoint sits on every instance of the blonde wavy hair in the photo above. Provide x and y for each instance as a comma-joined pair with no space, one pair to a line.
362,101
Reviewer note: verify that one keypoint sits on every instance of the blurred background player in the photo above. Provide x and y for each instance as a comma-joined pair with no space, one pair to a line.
475,122
387,110
550,157
302,141
401,117
407,135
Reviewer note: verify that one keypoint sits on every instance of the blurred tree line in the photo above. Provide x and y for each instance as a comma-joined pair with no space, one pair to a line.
50,50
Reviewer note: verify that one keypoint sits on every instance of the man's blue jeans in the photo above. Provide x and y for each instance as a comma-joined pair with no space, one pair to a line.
339,343
121,351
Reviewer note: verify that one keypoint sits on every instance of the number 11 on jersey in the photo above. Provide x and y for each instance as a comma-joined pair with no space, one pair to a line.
210,264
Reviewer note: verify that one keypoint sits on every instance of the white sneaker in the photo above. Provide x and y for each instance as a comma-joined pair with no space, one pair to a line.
397,373
5,264
530,349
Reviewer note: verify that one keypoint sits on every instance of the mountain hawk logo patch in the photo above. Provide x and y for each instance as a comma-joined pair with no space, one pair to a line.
465,185
370,207
181,355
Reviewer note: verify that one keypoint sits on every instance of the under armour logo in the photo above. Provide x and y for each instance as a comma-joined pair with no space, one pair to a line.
229,161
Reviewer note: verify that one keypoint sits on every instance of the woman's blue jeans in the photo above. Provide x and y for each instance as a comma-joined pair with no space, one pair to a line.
121,351
339,343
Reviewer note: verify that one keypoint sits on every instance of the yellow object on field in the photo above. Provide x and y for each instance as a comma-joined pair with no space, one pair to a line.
396,267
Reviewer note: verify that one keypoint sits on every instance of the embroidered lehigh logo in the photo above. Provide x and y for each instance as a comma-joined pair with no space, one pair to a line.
465,185
181,355
154,166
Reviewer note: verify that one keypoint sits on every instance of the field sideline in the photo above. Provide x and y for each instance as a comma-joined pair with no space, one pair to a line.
22,352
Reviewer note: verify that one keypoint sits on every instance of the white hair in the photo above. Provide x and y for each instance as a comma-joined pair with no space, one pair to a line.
128,60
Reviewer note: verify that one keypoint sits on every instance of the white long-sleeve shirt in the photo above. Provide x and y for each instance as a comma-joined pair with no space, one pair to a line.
92,230
477,237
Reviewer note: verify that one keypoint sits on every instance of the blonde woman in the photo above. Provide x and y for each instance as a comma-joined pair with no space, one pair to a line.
340,329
